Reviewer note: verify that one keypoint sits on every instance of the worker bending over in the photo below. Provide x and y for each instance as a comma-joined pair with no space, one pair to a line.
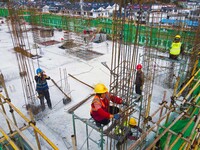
101,111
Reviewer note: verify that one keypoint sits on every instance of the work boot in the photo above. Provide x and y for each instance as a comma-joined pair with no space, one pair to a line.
98,124
42,108
50,107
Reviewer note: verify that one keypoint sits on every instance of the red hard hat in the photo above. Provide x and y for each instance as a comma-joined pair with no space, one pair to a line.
139,66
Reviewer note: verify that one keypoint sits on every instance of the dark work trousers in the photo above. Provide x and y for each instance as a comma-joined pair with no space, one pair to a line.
42,95
112,110
173,56
137,89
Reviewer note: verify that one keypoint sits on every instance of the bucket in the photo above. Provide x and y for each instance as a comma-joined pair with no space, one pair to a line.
113,110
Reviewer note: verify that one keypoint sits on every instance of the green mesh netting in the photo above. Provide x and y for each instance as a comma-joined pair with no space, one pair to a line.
178,127
160,37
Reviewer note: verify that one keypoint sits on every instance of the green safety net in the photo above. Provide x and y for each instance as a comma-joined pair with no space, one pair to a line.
178,127
159,37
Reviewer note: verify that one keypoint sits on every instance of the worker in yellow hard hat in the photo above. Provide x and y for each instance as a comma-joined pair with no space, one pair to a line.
101,111
176,48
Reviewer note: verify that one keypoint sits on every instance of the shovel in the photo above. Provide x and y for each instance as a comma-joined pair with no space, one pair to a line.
67,99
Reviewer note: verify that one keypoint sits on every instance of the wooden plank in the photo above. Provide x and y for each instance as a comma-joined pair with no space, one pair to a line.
80,103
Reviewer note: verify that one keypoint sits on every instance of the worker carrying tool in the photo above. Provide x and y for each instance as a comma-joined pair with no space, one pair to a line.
42,88
176,48
139,81
101,111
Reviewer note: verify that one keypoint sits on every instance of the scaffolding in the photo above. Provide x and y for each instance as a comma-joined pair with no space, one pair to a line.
131,36
13,136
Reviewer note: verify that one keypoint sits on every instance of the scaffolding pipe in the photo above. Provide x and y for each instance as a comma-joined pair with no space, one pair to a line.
17,129
2,106
180,134
14,133
192,90
191,79
9,140
193,130
167,129
174,133
143,136
32,124
160,115
74,142
168,140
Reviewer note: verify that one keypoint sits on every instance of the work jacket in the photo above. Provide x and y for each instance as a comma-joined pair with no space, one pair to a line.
139,78
100,107
175,48
41,83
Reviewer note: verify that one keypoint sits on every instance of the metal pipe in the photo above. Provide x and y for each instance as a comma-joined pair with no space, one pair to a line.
2,106
177,95
192,132
131,147
9,140
73,142
167,142
192,90
31,124
180,134
17,129
156,140
14,133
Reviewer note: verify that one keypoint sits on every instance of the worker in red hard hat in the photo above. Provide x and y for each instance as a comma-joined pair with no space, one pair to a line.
101,111
139,81
176,48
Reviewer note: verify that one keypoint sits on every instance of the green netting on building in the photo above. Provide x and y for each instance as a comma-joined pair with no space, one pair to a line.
178,127
160,37
3,12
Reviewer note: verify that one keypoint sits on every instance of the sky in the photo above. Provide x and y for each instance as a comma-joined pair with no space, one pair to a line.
57,124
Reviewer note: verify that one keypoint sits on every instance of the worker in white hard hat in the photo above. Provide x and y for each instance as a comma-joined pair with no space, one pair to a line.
176,48
101,111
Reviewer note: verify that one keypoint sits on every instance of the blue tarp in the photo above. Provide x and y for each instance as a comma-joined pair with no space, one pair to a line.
176,22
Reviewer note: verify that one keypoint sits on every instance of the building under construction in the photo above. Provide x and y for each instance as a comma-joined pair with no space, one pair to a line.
174,124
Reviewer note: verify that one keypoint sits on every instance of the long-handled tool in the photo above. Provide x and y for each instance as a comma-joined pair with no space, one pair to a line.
65,100
81,81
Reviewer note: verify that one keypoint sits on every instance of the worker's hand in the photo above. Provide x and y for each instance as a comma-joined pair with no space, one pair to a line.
141,88
116,116
125,103
111,116
46,77
39,74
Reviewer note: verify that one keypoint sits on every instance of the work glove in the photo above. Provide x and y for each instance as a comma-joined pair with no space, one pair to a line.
116,116
125,103
141,88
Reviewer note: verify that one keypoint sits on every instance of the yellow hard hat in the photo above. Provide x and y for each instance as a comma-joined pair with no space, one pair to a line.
178,36
100,88
132,122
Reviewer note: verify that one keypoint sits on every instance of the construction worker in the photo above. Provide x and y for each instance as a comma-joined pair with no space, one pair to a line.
176,48
139,81
101,111
130,124
42,88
